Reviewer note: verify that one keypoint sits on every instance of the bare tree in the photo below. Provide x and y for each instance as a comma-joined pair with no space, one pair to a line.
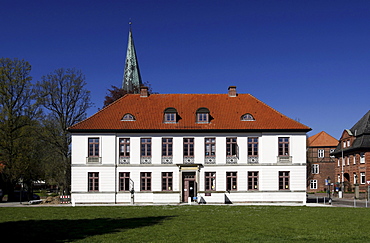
18,112
64,96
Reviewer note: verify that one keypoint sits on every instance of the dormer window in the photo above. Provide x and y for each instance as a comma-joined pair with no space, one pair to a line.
170,115
247,117
128,117
203,115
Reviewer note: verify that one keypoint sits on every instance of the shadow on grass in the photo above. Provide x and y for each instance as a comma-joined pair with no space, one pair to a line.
69,230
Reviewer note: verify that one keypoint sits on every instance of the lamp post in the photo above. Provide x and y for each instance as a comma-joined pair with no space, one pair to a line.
329,182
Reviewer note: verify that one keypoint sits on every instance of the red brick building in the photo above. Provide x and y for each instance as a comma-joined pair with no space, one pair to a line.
320,165
353,156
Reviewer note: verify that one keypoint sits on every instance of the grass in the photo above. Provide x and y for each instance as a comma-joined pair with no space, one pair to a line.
203,223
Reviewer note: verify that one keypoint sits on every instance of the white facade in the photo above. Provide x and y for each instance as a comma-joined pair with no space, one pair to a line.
270,186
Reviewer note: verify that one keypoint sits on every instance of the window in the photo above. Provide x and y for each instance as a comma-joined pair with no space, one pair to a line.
231,178
124,147
166,146
145,181
355,179
362,158
283,146
93,181
128,117
283,180
189,147
210,147
315,169
124,181
247,117
331,151
203,115
320,153
348,143
170,115
252,146
252,180
231,147
210,181
93,147
313,184
167,181
146,147
362,178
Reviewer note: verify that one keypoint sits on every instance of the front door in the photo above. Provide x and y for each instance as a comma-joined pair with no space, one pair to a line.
189,186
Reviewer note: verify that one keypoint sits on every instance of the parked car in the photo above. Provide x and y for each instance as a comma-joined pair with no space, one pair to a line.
16,197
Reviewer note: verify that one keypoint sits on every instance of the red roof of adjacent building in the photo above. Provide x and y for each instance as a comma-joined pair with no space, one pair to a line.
225,112
322,139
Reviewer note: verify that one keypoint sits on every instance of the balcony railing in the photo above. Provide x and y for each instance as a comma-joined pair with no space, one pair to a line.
167,160
253,160
188,160
124,160
284,159
93,160
210,160
231,160
145,160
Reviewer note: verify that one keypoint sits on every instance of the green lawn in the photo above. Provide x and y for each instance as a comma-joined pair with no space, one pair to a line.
197,223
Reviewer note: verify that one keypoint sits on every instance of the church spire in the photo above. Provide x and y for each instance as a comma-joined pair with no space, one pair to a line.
131,77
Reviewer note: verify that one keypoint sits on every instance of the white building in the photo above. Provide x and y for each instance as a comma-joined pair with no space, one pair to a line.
172,148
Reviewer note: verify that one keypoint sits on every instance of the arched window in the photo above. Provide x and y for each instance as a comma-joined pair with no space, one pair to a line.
170,115
247,117
203,115
128,117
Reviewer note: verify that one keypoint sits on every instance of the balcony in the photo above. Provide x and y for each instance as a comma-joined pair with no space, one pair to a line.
188,160
231,160
253,160
167,159
124,160
93,160
210,160
284,159
145,160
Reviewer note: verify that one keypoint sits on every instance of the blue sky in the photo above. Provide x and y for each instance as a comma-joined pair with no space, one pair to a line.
310,60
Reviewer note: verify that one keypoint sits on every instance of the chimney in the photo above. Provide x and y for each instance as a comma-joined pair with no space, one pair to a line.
144,91
232,91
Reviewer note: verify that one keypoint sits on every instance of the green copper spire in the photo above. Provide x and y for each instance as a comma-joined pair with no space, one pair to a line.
131,77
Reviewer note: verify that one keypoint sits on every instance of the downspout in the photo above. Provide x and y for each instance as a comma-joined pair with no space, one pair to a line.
115,169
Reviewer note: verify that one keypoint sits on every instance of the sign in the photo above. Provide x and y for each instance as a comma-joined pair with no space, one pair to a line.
368,182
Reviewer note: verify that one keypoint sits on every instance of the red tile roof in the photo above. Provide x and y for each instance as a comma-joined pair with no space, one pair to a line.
225,111
322,139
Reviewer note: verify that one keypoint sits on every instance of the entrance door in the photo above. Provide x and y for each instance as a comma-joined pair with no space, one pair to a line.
189,186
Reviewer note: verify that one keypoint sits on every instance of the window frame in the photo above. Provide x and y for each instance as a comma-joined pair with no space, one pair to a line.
231,180
93,147
167,147
283,146
253,146
146,147
93,181
313,184
209,147
167,181
232,146
124,147
284,180
188,147
145,181
124,181
210,181
253,178
315,169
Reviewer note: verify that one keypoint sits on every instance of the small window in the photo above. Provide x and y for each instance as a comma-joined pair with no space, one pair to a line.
203,115
170,115
313,184
247,117
315,169
128,117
